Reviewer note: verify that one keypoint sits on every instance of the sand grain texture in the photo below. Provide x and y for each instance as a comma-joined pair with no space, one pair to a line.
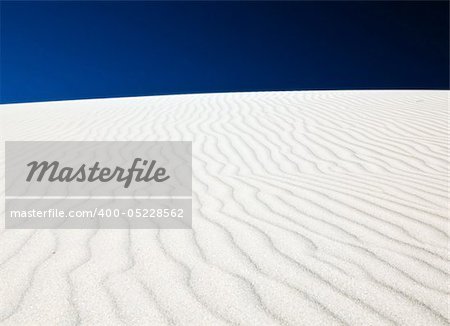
309,208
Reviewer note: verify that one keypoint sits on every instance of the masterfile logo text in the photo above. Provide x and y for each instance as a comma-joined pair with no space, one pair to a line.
98,184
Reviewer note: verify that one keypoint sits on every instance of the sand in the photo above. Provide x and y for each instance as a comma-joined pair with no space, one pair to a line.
309,208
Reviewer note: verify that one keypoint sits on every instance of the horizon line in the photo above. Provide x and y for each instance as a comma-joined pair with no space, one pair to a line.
224,92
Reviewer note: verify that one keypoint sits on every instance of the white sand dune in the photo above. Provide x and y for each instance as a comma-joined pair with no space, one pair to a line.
309,208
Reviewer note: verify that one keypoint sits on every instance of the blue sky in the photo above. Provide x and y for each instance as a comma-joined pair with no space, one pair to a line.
74,50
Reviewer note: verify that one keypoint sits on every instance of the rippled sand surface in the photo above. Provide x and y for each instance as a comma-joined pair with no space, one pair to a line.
309,208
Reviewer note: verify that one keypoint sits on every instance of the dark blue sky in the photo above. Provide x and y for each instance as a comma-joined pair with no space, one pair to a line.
73,50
